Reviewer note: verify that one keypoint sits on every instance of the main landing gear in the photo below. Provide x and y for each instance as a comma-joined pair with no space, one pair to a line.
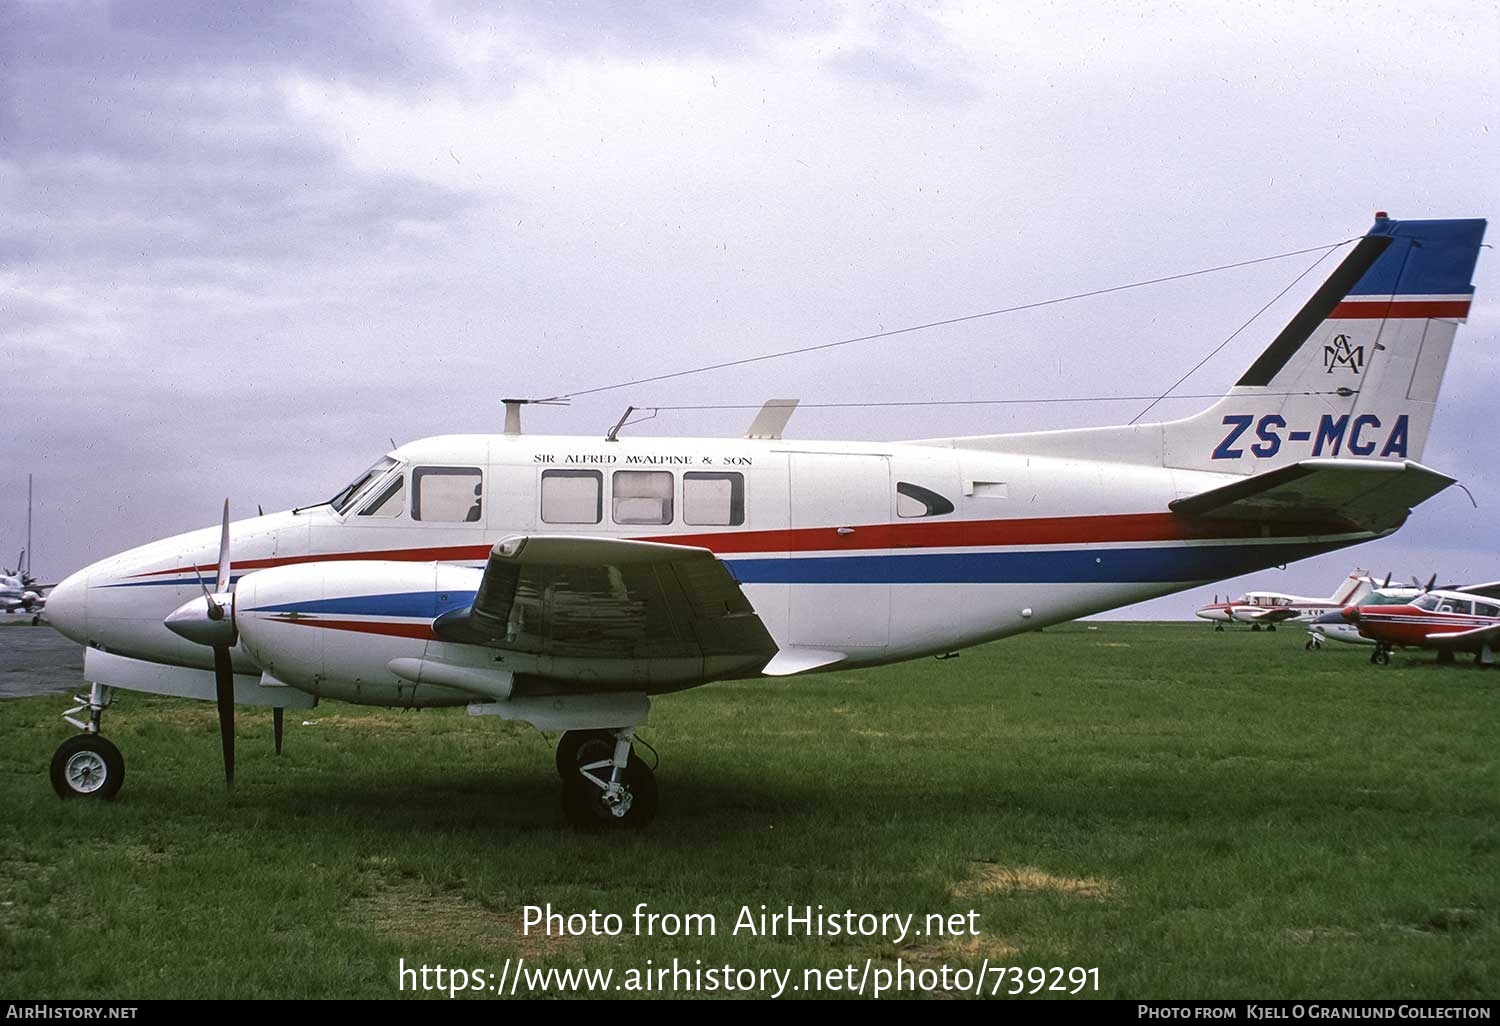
606,785
88,765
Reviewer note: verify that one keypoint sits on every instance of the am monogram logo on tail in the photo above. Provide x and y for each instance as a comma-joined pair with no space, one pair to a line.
1340,353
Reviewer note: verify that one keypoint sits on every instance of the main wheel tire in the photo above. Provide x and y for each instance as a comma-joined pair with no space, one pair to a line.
1380,658
1218,627
87,766
585,807
571,742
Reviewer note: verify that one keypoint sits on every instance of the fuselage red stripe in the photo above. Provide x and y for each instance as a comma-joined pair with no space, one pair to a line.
1127,527
1383,309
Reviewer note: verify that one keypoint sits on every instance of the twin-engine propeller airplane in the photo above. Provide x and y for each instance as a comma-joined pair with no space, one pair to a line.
564,581
1268,608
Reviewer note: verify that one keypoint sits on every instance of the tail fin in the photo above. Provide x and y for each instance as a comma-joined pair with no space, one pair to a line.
1354,374
1354,587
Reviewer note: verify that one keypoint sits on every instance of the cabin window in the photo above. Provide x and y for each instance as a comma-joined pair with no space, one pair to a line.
1486,609
642,497
1455,606
572,496
713,499
388,503
448,495
916,501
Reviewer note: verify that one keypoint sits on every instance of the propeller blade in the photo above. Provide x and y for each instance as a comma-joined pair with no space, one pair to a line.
222,585
1387,582
1430,582
224,693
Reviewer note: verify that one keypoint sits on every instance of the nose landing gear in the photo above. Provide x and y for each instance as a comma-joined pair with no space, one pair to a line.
88,765
1381,655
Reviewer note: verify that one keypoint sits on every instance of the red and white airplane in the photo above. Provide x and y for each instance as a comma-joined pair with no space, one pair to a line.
564,581
1450,620
1269,608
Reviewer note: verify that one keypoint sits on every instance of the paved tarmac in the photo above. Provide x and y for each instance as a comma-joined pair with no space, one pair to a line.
37,660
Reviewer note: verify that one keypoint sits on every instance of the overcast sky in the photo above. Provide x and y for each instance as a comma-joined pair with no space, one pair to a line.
244,245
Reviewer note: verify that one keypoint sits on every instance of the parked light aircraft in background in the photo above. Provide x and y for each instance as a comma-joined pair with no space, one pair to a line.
563,581
1268,608
1449,620
19,590
1332,626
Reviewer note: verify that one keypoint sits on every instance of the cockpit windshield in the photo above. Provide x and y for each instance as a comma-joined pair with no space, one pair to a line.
1427,602
354,490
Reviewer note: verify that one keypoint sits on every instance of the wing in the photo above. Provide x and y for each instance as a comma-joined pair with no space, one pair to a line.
609,599
1275,614
1489,591
1373,495
1490,632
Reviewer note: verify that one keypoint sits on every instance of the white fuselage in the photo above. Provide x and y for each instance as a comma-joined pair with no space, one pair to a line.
1259,606
878,551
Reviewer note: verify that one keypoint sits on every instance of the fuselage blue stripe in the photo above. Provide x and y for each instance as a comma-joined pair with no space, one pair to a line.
1081,566
425,604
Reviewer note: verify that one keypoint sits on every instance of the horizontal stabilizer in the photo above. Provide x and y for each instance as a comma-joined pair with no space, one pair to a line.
1370,495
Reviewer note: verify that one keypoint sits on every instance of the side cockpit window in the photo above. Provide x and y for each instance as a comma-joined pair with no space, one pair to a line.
356,489
449,495
389,503
916,501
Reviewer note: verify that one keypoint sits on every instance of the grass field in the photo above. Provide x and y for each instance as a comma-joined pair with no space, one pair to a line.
1196,814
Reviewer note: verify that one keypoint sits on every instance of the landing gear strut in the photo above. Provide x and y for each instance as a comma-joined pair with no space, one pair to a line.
1381,655
88,765
606,785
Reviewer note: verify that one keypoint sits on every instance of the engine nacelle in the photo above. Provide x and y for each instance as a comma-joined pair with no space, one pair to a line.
334,628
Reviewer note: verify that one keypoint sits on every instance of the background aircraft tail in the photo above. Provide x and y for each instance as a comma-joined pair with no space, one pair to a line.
1355,374
1354,588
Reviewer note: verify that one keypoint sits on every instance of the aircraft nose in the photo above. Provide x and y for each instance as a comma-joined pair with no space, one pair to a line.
67,607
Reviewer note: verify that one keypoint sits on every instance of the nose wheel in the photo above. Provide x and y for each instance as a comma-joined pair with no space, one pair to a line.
606,785
87,766
1381,655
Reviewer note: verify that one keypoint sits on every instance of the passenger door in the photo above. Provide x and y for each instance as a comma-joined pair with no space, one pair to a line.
838,566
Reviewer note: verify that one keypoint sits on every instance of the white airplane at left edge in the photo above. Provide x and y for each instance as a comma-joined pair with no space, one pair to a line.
564,581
